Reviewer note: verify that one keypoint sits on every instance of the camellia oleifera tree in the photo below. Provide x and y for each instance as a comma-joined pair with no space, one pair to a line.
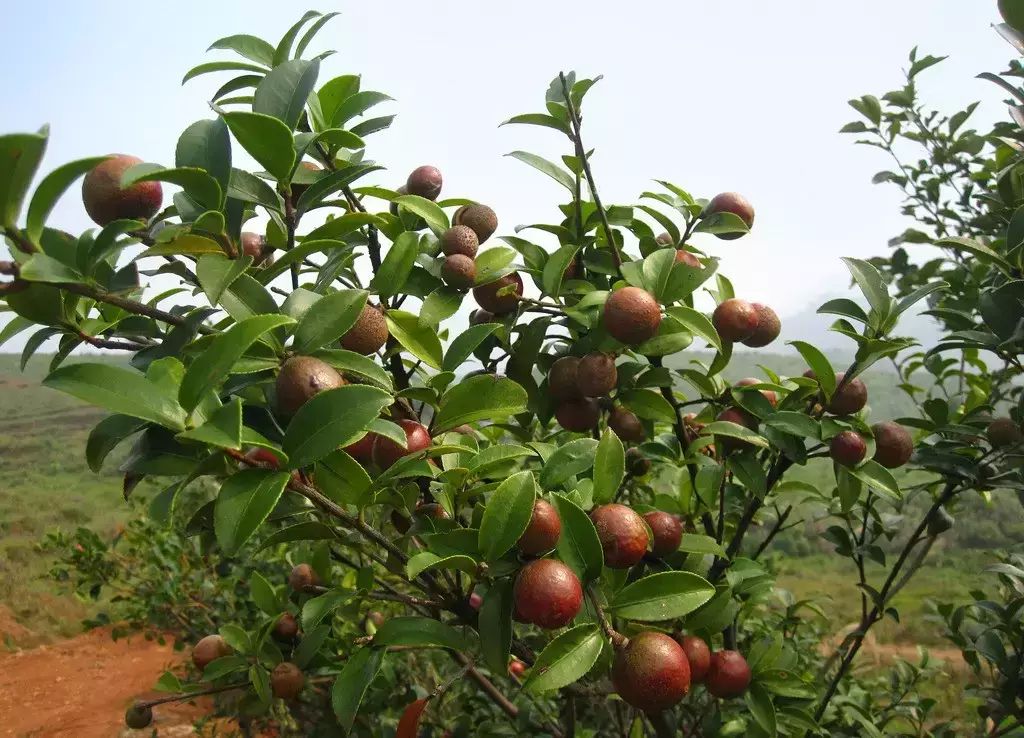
964,191
515,494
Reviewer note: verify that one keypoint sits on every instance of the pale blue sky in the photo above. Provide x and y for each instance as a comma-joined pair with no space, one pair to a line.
743,95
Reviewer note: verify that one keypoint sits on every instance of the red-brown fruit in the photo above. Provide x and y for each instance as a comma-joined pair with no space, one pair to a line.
479,317
286,680
425,181
487,297
459,239
376,617
624,537
768,327
209,649
735,320
255,245
286,627
690,260
631,315
516,668
665,239
138,717
850,399
578,416
386,452
104,199
728,676
547,593
626,425
368,334
767,394
458,271
651,673
636,463
431,510
362,450
735,203
476,601
597,374
262,455
300,379
893,444
297,188
480,218
1003,433
302,576
848,448
563,379
699,656
667,532
542,532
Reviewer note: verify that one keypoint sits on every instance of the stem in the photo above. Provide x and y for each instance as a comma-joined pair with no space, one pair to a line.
131,306
776,529
883,596
290,222
189,695
581,154
618,640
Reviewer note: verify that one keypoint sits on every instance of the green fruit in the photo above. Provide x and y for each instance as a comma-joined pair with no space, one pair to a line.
369,333
458,271
651,672
301,378
106,201
631,315
597,374
138,717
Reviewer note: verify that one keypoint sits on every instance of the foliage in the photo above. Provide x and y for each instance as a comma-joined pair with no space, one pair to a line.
207,397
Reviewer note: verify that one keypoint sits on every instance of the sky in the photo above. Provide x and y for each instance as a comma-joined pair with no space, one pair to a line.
744,95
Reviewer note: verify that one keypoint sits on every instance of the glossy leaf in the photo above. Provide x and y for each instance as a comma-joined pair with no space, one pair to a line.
567,461
609,467
579,545
418,631
482,397
328,319
119,390
507,514
419,340
541,164
394,270
50,190
283,92
566,659
430,211
243,503
350,686
20,154
496,625
268,141
331,419
660,597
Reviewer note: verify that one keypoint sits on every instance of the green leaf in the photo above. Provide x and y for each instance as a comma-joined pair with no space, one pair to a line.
496,625
311,32
579,545
872,284
223,428
483,397
609,467
414,631
216,272
664,596
697,323
567,461
693,543
566,659
356,104
317,608
284,46
427,561
984,253
819,364
508,512
252,48
331,419
554,269
465,344
119,390
220,66
398,263
878,478
760,704
419,340
343,479
648,404
722,223
210,368
196,183
733,430
311,530
335,91
328,319
541,164
20,154
243,503
350,686
540,119
43,268
350,362
51,188
496,456
283,92
341,226
493,263
440,305
263,594
250,188
106,435
206,144
795,423
267,139
430,211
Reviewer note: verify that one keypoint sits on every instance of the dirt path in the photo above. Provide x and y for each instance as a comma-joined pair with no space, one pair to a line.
80,688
